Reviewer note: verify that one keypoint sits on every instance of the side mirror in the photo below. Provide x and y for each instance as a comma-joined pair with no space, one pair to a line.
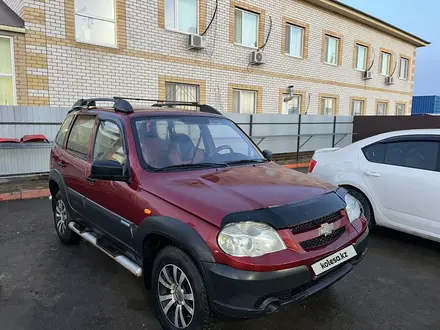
108,170
267,154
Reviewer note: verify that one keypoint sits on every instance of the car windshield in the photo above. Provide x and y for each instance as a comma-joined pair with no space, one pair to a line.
192,142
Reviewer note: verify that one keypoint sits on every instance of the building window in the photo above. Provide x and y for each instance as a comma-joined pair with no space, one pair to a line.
292,107
95,22
7,78
357,107
244,101
328,106
181,15
403,68
182,93
381,109
361,57
400,109
331,50
294,40
246,28
385,63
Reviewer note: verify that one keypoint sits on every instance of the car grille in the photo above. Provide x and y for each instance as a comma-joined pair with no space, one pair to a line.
322,240
305,226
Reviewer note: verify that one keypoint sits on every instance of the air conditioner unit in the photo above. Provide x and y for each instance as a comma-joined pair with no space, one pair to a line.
196,42
367,75
257,57
389,81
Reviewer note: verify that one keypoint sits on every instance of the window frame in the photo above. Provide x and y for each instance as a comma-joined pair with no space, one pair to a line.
331,35
335,111
97,124
407,67
291,26
358,43
12,74
387,52
176,13
386,109
359,99
176,83
73,152
405,138
300,102
404,108
114,21
255,92
257,32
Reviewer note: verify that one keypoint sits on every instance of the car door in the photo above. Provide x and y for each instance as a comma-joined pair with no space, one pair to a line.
109,204
403,178
74,160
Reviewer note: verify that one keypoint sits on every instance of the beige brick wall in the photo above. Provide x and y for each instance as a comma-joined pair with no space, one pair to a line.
146,51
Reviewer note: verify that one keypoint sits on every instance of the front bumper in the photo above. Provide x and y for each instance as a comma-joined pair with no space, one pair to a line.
245,294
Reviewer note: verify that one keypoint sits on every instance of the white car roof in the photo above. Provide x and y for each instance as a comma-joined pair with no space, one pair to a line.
382,136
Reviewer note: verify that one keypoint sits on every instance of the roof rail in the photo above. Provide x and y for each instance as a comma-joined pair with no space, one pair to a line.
122,104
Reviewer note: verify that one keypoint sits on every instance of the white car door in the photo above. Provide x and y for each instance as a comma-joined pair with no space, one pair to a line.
403,177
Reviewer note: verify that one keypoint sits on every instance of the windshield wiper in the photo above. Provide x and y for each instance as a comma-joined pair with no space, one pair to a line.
246,161
188,166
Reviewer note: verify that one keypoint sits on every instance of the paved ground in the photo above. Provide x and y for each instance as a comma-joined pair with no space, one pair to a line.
45,285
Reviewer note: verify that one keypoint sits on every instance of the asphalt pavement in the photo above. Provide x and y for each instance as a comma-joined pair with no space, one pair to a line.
46,285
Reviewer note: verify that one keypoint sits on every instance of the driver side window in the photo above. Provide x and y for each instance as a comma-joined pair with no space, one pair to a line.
109,143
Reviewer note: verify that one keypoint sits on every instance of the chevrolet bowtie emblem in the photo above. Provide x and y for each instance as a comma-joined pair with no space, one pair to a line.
326,229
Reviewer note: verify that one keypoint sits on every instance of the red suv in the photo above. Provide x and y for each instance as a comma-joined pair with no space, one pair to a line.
186,200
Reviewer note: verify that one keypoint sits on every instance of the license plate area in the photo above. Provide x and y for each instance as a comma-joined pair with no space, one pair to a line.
334,260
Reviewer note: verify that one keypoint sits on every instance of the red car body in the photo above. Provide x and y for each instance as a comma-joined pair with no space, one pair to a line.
202,199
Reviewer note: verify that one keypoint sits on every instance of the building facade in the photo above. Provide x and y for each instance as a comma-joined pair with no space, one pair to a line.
72,49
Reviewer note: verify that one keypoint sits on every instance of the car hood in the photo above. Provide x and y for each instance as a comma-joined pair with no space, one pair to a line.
212,194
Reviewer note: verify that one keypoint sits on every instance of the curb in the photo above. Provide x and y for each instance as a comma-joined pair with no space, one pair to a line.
24,194
293,166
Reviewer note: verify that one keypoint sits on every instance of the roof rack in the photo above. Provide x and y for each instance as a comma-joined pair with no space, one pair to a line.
122,104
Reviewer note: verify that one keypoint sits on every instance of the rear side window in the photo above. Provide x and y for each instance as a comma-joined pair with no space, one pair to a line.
79,136
375,153
414,154
59,140
109,143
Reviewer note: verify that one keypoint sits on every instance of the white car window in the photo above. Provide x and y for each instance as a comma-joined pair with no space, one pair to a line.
416,154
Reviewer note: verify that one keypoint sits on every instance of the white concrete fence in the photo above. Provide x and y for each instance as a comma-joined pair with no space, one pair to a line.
278,133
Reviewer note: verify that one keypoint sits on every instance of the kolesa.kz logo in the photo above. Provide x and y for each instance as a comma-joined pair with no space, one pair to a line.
334,260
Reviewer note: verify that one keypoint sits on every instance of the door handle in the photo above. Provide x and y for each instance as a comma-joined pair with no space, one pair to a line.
375,174
90,180
61,164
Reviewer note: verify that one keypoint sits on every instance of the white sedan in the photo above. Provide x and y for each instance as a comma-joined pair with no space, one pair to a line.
395,176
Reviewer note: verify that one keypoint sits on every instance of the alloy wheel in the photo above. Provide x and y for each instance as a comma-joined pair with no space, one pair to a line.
176,296
61,217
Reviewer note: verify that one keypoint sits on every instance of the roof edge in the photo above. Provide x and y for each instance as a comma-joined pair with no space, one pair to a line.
12,29
367,19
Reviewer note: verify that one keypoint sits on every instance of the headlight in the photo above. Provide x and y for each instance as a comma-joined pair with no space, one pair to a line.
249,239
353,208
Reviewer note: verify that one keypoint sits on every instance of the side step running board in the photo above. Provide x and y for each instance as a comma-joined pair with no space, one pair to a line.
120,259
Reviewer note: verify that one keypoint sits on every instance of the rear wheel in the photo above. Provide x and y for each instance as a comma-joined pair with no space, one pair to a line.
365,204
62,219
180,297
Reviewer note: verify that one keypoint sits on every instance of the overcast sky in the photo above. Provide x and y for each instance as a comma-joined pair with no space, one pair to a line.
419,17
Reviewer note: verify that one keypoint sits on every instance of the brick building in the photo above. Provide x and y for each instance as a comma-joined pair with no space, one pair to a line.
71,49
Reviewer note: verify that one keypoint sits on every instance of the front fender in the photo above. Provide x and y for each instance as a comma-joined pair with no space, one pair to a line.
176,231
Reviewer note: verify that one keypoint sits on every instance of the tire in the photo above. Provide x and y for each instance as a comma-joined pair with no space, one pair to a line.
366,206
176,263
61,219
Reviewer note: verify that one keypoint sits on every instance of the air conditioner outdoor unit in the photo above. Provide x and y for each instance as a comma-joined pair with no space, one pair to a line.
196,42
389,81
257,57
367,75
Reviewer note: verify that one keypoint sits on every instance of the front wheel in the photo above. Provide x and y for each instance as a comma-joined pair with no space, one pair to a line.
180,297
